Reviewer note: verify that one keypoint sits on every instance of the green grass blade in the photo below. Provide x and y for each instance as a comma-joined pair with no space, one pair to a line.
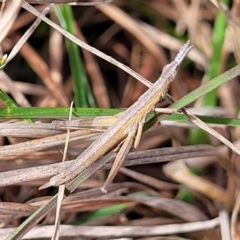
197,136
82,91
204,89
94,112
208,87
101,213
11,104
108,211
7,100
32,220
42,113
230,122
219,31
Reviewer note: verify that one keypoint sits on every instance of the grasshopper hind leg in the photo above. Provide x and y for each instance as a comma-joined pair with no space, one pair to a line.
123,152
133,138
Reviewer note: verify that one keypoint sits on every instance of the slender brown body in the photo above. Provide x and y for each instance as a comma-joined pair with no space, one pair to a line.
127,122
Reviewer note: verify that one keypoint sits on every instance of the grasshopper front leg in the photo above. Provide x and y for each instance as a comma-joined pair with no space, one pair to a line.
139,131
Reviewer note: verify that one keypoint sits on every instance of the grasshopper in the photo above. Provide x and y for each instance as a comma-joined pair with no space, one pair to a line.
126,131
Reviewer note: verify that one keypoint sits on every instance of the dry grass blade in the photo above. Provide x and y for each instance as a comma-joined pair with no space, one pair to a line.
41,68
211,131
8,17
17,95
176,207
14,209
37,130
116,232
234,217
25,37
78,202
135,158
21,129
26,88
133,27
150,181
61,189
39,214
181,210
85,122
98,86
60,197
84,3
41,144
86,46
170,42
173,184
224,225
180,173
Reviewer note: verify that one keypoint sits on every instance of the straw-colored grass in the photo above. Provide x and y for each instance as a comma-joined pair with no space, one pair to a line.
182,181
